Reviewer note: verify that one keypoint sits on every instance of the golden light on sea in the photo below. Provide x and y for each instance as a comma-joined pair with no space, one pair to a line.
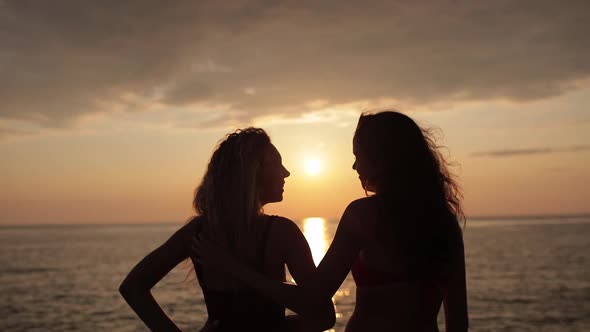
314,230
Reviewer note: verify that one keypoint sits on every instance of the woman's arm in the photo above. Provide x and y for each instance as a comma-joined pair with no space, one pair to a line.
136,288
305,299
299,260
455,293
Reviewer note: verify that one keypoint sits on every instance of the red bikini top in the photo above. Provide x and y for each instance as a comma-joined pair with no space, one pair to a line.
365,275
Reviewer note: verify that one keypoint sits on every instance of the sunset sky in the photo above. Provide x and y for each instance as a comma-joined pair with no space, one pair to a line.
110,110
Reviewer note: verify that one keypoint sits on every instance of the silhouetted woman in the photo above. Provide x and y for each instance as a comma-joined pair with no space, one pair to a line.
244,174
403,244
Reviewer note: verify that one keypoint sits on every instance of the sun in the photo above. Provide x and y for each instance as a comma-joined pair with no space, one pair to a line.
313,166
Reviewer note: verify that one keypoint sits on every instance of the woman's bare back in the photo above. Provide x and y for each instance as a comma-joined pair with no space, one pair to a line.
389,294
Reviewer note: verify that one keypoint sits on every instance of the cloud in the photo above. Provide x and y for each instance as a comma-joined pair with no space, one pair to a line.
63,60
6,133
533,151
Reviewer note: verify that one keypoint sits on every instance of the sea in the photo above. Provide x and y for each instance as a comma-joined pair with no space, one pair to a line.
523,274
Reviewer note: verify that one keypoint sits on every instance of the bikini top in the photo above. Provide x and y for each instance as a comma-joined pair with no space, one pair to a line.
365,275
429,295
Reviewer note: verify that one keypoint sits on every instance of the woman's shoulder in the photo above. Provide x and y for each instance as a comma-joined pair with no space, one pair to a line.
283,224
195,221
277,218
360,214
363,206
193,225
280,220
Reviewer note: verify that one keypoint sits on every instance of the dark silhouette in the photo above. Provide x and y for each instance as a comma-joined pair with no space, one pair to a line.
244,174
403,244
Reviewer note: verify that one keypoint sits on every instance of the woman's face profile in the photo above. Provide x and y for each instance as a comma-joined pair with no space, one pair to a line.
272,176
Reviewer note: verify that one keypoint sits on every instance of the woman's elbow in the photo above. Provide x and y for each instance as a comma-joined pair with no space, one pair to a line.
458,325
330,316
320,324
130,290
325,318
462,328
125,290
328,323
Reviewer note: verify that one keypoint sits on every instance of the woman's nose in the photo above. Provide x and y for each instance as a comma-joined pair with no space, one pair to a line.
286,172
354,165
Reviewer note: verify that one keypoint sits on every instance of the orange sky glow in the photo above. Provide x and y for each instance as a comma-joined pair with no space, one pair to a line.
115,122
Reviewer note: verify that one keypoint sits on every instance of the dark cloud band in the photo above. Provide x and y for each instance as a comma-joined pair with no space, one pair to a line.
535,151
71,58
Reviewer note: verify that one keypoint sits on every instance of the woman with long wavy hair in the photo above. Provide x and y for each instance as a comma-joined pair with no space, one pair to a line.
244,174
403,244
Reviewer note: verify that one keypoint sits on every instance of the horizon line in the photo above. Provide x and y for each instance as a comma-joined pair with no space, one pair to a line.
474,217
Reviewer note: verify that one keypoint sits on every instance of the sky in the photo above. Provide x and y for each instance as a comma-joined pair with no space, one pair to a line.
110,110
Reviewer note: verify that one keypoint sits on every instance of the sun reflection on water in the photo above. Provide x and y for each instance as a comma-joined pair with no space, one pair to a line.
318,233
314,230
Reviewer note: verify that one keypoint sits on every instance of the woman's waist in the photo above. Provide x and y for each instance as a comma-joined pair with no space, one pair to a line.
393,322
390,313
259,324
398,299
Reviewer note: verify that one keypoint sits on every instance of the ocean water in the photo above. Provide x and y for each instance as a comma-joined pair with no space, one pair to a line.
523,275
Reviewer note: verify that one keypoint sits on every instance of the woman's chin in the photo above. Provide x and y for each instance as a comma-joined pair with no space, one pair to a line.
367,186
276,199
